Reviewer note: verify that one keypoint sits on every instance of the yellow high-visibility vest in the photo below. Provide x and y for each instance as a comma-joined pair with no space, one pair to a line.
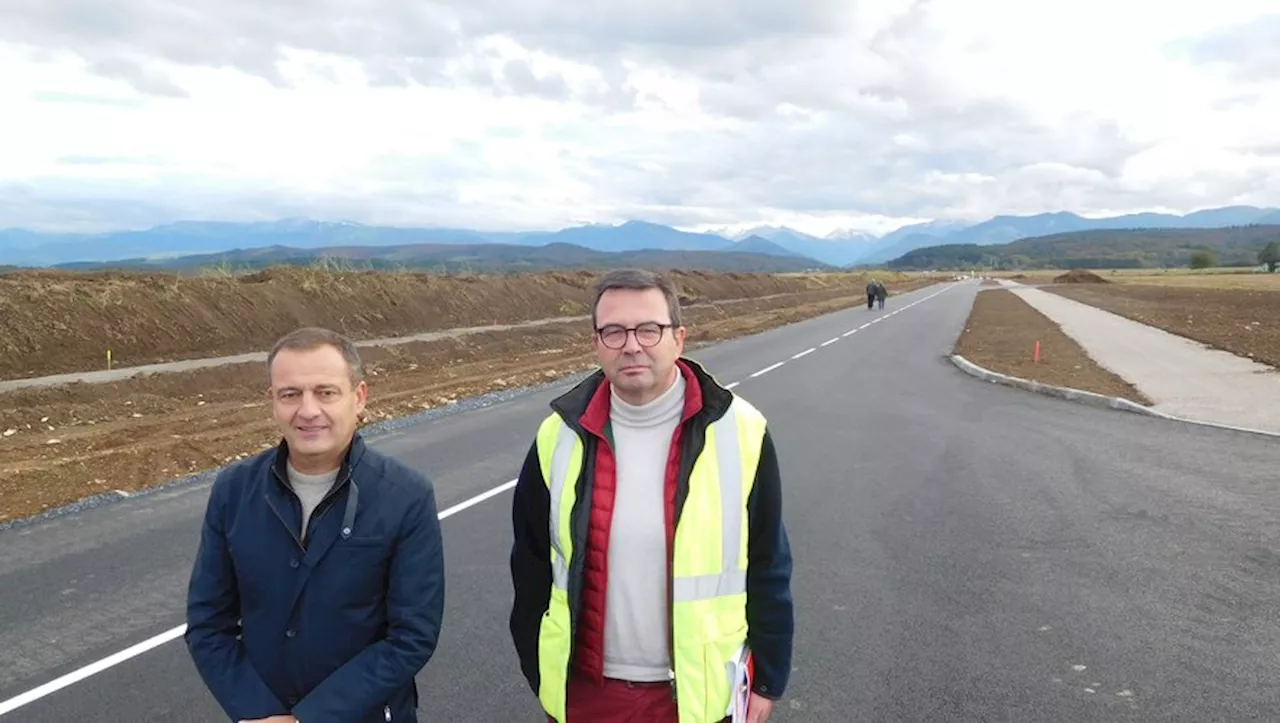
709,587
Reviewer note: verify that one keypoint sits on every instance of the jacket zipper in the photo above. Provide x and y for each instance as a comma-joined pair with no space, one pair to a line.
321,508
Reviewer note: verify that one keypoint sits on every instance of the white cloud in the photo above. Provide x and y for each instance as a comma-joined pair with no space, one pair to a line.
819,114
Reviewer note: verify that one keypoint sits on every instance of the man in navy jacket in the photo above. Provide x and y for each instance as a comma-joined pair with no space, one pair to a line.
317,590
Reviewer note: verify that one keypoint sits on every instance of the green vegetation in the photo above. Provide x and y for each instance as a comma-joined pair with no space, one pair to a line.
1203,259
1106,249
1270,255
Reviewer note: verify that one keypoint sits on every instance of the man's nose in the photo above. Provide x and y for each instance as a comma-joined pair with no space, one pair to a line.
310,405
632,345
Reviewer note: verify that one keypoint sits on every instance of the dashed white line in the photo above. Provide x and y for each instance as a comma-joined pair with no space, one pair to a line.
478,499
767,369
134,651
850,332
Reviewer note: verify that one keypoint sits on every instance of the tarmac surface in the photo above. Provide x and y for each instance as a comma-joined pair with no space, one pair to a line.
964,551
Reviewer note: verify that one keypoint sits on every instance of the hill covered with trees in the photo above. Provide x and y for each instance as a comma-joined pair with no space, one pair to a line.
1099,249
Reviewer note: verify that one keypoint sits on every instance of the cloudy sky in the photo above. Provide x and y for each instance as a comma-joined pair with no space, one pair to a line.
520,114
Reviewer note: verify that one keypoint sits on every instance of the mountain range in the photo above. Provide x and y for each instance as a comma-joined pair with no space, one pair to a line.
22,247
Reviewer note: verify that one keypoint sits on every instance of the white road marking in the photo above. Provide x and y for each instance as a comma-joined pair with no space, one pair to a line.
510,484
111,661
766,370
850,332
78,675
806,352
75,676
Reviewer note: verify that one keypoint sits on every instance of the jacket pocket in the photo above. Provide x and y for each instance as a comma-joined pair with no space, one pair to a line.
720,667
552,653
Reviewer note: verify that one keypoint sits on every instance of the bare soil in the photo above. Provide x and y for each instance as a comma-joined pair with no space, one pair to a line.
65,443
60,321
1243,321
1001,335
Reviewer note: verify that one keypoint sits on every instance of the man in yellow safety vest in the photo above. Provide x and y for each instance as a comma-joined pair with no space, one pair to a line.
651,568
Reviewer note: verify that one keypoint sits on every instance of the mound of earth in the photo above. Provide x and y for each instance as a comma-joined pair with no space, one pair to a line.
1079,276
61,321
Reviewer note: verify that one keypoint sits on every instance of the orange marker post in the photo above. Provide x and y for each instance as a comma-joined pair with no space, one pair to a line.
1037,355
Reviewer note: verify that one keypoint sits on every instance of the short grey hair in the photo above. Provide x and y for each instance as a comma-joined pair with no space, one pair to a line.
638,280
314,337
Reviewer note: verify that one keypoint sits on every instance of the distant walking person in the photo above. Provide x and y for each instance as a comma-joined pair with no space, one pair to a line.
649,553
881,294
873,288
318,585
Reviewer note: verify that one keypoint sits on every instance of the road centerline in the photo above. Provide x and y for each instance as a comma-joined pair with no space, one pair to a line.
136,650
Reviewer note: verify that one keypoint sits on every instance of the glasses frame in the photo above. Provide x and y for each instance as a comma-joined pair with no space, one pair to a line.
628,331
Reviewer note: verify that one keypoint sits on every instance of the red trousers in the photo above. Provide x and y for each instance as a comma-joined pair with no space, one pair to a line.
619,702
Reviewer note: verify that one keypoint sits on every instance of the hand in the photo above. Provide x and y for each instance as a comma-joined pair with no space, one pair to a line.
759,709
273,719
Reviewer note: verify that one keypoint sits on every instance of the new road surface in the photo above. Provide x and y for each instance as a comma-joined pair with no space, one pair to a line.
964,552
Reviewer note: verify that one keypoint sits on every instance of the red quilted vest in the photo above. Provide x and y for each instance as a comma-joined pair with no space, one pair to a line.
589,660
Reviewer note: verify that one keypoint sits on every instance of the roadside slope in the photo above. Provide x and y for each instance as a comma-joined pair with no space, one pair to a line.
64,322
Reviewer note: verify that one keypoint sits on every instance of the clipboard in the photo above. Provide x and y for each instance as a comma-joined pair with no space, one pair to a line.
741,675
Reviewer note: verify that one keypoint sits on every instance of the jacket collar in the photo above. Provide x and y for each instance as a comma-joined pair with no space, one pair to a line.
352,457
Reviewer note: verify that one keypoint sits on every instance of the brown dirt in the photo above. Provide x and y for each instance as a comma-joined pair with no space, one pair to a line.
78,440
1079,276
58,321
1001,334
1242,321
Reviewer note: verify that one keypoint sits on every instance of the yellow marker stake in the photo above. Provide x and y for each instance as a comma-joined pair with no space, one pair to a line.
108,357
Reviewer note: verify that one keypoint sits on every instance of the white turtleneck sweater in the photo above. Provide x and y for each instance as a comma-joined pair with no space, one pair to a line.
635,626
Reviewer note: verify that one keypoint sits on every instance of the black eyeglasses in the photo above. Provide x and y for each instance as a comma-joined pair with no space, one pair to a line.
649,333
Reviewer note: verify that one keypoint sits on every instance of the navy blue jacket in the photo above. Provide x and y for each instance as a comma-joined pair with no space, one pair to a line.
332,631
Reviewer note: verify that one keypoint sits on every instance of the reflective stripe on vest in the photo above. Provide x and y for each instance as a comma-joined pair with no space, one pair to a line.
710,562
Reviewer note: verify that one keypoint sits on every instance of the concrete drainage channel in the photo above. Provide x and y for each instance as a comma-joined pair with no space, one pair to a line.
1090,398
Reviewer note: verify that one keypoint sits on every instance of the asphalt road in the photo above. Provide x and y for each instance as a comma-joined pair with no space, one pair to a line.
964,552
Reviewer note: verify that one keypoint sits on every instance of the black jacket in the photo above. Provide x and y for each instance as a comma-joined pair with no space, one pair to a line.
769,606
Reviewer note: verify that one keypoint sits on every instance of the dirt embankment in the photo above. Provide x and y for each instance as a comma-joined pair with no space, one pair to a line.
1079,276
1001,335
65,443
1242,321
57,322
